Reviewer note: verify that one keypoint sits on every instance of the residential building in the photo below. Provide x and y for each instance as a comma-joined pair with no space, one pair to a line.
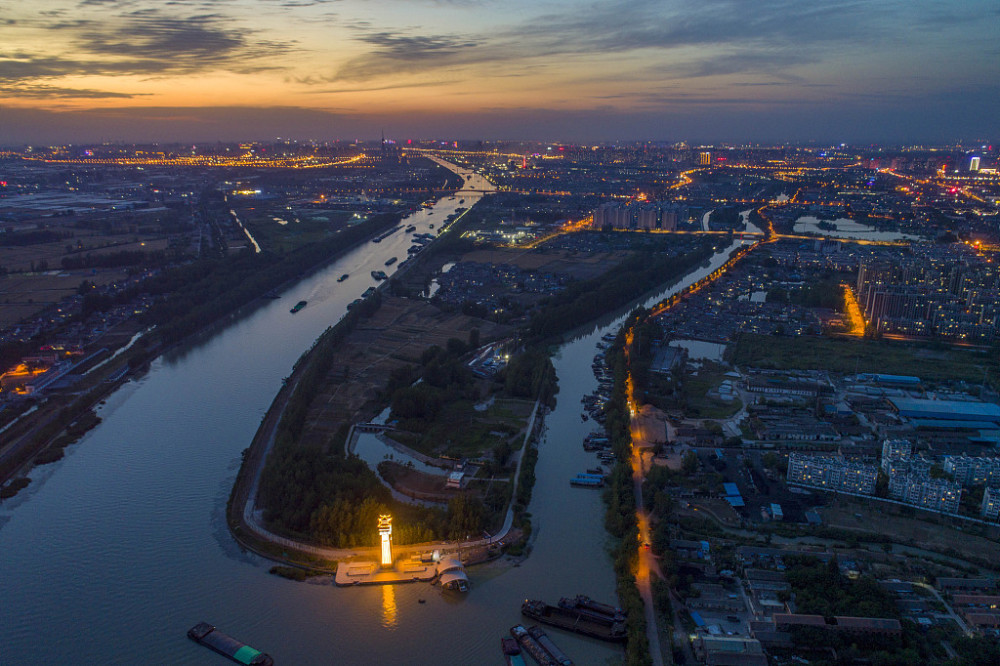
925,492
972,471
830,473
990,509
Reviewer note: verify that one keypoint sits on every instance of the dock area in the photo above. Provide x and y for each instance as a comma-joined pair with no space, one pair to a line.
370,573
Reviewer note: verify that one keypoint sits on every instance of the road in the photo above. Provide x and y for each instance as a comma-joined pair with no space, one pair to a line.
954,616
647,563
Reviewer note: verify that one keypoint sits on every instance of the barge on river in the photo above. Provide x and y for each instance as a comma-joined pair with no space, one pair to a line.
298,306
587,481
207,635
511,652
573,620
543,639
601,612
531,646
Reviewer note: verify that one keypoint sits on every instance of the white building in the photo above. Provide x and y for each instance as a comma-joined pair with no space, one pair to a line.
829,473
925,492
894,452
970,471
990,509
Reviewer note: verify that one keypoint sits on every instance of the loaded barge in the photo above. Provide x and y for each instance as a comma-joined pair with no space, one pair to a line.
382,237
511,652
543,639
207,635
595,609
531,646
574,620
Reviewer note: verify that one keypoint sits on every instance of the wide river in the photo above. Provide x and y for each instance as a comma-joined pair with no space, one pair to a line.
111,554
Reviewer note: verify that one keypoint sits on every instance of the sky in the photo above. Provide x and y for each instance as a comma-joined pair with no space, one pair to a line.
854,71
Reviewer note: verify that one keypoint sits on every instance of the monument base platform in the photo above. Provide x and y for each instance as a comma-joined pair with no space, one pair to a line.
371,573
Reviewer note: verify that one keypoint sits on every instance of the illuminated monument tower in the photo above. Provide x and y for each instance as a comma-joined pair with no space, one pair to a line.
385,532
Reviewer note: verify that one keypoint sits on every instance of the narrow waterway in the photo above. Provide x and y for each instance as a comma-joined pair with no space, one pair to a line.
114,552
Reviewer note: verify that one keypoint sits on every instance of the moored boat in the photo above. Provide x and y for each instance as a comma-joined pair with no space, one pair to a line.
511,652
379,275
531,646
572,620
594,609
207,635
587,481
543,639
390,261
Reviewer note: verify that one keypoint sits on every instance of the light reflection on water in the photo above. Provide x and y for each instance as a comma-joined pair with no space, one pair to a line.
388,606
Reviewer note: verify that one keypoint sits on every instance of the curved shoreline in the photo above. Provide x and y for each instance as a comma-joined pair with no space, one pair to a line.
25,461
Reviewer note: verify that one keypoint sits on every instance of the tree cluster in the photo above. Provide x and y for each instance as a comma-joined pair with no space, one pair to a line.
586,300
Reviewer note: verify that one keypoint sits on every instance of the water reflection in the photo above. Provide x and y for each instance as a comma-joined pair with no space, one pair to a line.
388,606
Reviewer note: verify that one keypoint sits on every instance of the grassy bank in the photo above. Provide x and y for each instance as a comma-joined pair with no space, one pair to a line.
929,361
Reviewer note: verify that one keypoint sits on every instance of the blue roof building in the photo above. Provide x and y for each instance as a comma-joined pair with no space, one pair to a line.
951,410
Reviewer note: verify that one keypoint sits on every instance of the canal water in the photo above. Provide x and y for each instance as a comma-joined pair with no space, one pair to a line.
847,228
112,553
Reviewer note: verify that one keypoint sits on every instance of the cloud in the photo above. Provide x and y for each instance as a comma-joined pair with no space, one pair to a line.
396,53
773,63
188,43
146,42
736,36
33,91
398,86
626,25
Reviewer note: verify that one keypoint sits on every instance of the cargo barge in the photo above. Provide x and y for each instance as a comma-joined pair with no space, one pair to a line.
298,306
207,635
543,639
382,237
601,612
572,620
587,481
343,277
390,261
379,275
531,646
511,652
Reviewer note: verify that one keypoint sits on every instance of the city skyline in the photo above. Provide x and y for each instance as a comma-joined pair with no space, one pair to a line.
203,70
